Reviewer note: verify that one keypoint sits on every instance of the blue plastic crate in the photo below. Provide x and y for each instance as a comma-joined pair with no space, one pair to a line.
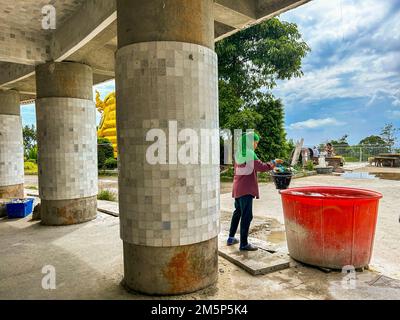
20,209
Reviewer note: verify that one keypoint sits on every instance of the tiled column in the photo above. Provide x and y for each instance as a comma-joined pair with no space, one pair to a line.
166,70
11,146
67,143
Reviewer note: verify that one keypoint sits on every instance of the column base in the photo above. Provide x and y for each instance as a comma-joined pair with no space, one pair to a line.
170,270
67,212
15,191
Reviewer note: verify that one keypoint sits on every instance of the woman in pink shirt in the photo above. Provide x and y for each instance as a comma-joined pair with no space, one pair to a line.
245,188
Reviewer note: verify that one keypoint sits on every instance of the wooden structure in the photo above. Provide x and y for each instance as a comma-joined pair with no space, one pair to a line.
387,160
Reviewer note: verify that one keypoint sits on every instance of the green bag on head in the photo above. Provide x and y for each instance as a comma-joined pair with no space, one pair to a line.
245,151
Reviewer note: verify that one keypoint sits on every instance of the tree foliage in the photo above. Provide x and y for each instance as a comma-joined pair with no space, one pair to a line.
373,140
257,57
105,151
273,142
30,141
341,142
388,134
251,62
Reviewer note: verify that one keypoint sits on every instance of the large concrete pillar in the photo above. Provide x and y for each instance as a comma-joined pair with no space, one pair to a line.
11,146
67,143
166,70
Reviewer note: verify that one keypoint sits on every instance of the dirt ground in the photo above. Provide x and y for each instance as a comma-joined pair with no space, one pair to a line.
88,257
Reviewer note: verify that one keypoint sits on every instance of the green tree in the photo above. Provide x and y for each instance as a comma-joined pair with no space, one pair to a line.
388,134
105,151
373,140
258,56
250,64
373,145
342,142
273,142
30,138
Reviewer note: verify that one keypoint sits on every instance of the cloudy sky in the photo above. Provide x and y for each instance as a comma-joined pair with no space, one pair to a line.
351,82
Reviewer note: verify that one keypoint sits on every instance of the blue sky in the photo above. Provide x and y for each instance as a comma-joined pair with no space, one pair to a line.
351,82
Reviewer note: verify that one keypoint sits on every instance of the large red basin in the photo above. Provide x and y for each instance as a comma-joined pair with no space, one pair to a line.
330,227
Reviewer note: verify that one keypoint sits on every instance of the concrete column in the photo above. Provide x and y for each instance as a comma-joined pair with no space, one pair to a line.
166,70
11,146
67,143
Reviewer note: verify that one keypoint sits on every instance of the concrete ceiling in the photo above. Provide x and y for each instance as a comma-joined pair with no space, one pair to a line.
26,15
86,32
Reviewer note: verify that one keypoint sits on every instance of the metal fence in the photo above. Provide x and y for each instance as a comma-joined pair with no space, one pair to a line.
359,153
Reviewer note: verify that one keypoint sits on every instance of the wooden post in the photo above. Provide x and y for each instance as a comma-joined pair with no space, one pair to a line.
297,151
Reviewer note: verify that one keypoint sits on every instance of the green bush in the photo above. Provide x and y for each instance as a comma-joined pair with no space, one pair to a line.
33,153
30,168
107,195
105,151
111,163
229,173
309,165
351,159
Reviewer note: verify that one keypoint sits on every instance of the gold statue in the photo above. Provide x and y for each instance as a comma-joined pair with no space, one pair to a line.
108,124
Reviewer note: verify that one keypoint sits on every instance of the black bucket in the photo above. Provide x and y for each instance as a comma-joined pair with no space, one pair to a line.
282,180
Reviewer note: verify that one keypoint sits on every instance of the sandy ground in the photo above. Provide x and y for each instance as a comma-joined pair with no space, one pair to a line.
386,257
89,265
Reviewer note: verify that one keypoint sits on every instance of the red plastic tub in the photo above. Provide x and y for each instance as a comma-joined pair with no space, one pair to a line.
330,227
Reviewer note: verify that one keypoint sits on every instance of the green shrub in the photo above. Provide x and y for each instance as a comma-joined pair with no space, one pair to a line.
351,159
309,165
298,167
33,153
111,163
30,168
105,151
228,173
264,177
107,195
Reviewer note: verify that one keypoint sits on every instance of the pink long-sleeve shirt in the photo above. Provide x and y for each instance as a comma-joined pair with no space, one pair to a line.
245,181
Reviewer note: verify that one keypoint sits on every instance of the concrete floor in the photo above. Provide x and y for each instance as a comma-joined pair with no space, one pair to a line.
88,257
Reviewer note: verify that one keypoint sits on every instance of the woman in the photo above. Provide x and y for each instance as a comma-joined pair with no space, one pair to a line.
245,188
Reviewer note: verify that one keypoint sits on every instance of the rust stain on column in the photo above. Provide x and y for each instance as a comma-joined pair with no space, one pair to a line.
181,272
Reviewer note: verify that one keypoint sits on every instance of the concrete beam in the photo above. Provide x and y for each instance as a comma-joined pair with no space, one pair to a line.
93,18
25,86
12,72
220,30
264,10
267,9
89,36
235,13
97,53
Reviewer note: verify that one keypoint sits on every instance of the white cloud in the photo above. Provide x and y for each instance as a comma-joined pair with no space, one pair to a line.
324,21
316,123
359,60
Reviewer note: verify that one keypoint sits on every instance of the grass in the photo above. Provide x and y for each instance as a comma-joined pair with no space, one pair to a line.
107,195
351,159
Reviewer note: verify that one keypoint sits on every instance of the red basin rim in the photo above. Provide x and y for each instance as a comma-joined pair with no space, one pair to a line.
325,192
